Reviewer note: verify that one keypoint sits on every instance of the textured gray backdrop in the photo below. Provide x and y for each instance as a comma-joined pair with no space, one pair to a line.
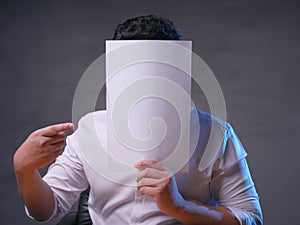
252,47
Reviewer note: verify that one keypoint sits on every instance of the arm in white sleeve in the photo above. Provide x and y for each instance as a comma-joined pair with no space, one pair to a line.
232,185
66,179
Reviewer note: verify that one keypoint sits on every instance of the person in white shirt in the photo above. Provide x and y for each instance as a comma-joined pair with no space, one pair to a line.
220,192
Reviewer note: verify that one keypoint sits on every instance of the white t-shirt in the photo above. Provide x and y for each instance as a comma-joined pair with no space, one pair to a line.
218,176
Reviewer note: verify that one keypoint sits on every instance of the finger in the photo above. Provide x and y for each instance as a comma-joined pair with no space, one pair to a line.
56,129
56,138
148,182
57,146
57,153
151,173
148,190
145,163
149,163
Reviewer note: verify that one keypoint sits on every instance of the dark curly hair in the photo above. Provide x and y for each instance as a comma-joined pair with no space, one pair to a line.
149,27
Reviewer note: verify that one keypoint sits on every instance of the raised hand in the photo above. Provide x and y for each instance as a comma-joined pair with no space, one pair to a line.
41,147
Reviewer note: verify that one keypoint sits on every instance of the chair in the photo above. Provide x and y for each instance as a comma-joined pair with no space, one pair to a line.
81,216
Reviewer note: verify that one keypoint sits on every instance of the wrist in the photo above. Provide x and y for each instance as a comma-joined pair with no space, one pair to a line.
178,209
186,212
20,166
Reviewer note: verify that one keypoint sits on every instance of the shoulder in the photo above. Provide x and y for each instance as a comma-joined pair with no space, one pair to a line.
216,139
91,120
90,127
97,116
209,123
222,134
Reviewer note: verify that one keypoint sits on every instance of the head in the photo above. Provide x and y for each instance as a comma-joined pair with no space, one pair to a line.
147,28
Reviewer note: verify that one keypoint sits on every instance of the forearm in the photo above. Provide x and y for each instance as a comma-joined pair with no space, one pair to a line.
36,194
40,148
196,213
154,180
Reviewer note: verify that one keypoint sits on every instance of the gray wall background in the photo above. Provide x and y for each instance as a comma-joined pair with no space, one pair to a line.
251,46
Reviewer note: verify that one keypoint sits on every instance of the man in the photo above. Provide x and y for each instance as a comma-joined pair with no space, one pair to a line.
220,193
